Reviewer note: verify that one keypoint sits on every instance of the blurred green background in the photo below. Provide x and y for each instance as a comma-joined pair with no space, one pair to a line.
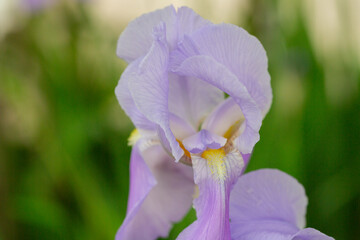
64,157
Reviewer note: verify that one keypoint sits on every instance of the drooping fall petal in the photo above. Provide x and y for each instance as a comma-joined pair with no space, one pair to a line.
160,194
215,173
269,204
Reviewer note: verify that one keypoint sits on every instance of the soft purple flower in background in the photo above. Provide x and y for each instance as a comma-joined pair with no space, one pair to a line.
35,5
270,204
180,65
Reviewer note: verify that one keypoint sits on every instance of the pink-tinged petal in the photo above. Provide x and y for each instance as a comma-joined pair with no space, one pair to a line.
241,53
214,73
203,140
192,99
310,234
126,100
214,177
149,89
160,194
136,40
223,117
268,194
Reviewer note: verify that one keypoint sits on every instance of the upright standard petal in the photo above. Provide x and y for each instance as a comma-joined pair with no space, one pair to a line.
188,22
209,70
192,99
126,99
215,173
224,119
149,87
180,128
268,204
136,40
242,54
160,194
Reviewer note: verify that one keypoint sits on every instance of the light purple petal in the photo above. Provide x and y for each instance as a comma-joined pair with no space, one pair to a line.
141,183
269,204
268,194
149,89
192,99
265,231
246,158
153,208
310,234
222,118
261,230
202,141
142,180
214,180
136,40
209,70
188,21
241,53
262,235
126,100
180,128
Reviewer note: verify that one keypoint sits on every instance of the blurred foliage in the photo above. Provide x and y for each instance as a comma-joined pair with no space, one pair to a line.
64,157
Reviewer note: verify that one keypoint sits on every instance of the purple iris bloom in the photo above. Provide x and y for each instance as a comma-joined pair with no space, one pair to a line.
270,204
180,65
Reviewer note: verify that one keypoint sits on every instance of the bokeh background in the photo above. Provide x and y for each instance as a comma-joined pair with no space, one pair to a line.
64,157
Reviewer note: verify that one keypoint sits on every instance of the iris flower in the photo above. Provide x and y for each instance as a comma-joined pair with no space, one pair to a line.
188,134
270,205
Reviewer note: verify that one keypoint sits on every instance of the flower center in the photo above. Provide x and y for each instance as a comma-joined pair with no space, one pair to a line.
186,152
233,129
216,162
